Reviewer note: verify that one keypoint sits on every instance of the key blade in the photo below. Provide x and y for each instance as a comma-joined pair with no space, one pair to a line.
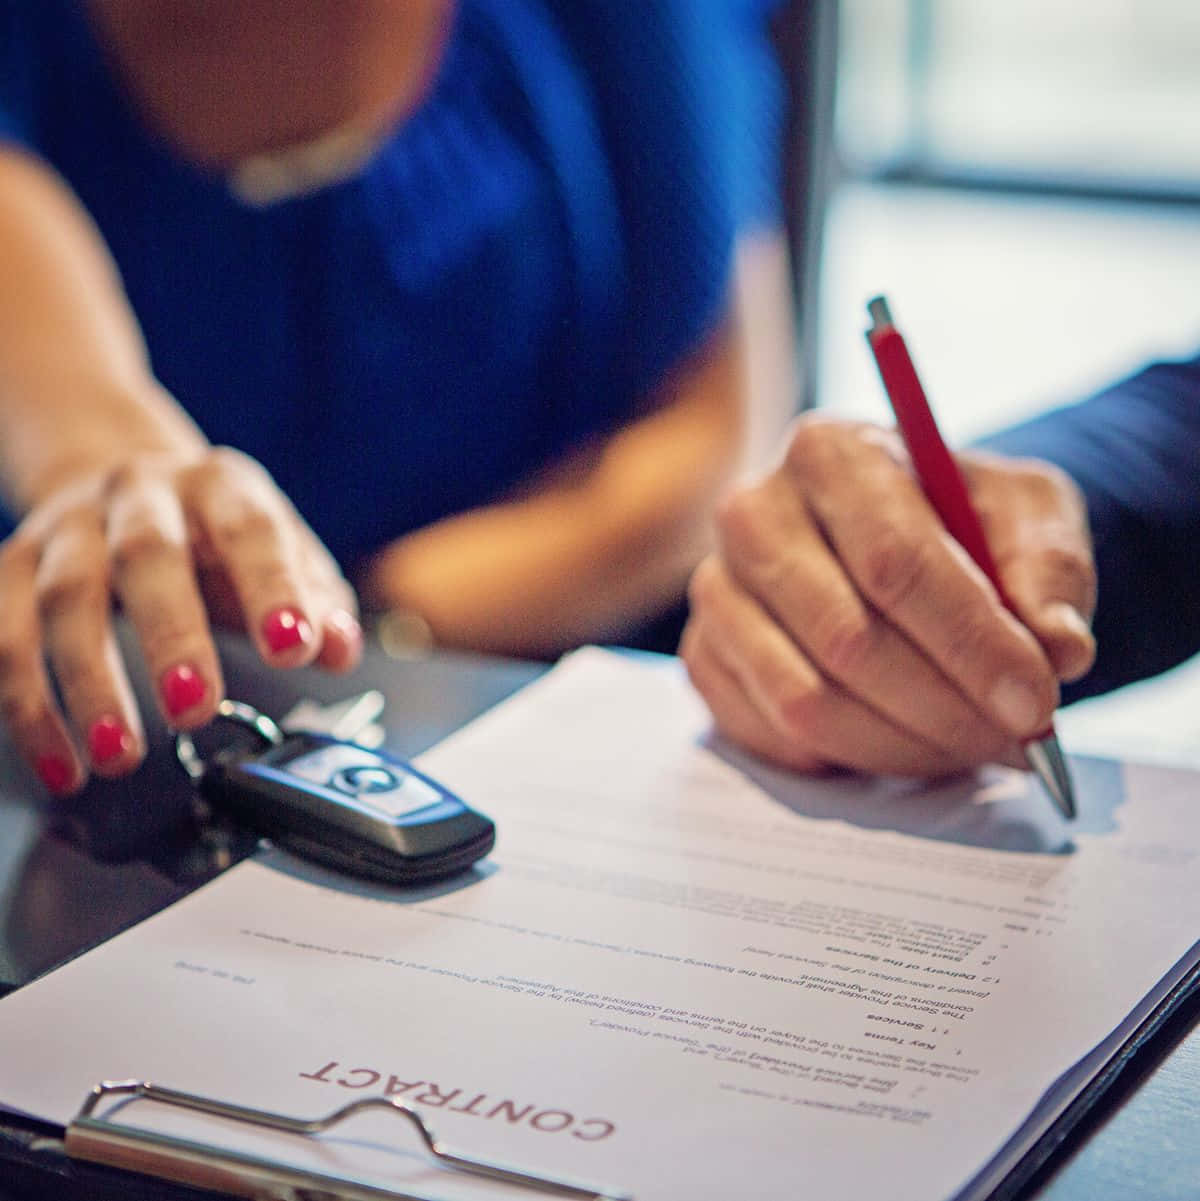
351,720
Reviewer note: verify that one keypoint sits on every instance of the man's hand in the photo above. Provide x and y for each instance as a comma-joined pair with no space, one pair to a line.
177,542
839,625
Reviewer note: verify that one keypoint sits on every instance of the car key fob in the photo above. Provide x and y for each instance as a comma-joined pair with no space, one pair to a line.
359,811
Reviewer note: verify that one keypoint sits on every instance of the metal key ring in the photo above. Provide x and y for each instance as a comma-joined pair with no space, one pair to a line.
239,714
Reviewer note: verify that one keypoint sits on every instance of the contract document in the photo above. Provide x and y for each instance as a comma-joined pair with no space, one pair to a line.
681,973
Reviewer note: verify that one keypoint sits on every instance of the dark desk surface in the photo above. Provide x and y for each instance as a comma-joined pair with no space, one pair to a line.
72,876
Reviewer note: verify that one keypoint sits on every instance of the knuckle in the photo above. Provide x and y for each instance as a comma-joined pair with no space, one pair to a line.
17,646
18,553
128,476
71,587
16,655
802,705
894,569
167,638
20,709
221,469
845,644
964,648
739,516
224,459
820,445
704,583
269,582
140,542
226,464
1068,570
758,531
1047,480
973,652
1046,485
240,524
809,446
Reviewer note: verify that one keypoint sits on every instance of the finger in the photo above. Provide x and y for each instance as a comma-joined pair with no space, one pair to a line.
807,710
248,528
907,567
341,641
733,712
1066,638
776,554
26,700
71,583
153,576
1043,552
336,609
339,631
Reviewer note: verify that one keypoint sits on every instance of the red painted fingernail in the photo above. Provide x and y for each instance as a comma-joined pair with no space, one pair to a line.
182,687
108,740
347,625
55,772
286,628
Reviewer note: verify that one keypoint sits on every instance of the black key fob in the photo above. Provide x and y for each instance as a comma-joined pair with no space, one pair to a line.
359,811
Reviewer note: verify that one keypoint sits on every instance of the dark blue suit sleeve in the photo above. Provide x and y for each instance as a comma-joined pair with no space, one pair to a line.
1135,451
16,65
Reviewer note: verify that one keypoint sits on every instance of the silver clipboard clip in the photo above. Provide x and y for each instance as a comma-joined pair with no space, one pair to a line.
101,1140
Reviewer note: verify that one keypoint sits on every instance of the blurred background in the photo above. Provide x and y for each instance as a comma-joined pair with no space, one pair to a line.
1023,181
1010,303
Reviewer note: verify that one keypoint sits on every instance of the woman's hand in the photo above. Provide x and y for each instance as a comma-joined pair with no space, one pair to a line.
175,541
840,625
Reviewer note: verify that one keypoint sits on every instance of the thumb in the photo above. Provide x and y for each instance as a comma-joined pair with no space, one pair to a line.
1037,526
1051,582
1066,637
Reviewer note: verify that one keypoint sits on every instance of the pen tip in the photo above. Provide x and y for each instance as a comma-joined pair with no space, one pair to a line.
1050,765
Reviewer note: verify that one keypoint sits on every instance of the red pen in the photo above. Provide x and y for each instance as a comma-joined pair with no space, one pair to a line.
946,490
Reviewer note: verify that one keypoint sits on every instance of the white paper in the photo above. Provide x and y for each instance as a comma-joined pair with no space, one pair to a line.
680,972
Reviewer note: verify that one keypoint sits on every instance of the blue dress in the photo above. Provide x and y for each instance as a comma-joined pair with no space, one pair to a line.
511,275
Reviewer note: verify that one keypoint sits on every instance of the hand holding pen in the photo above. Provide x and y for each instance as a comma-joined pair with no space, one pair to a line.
839,623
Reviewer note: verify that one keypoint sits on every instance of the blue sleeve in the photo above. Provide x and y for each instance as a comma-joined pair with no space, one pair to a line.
1135,451
687,102
16,67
